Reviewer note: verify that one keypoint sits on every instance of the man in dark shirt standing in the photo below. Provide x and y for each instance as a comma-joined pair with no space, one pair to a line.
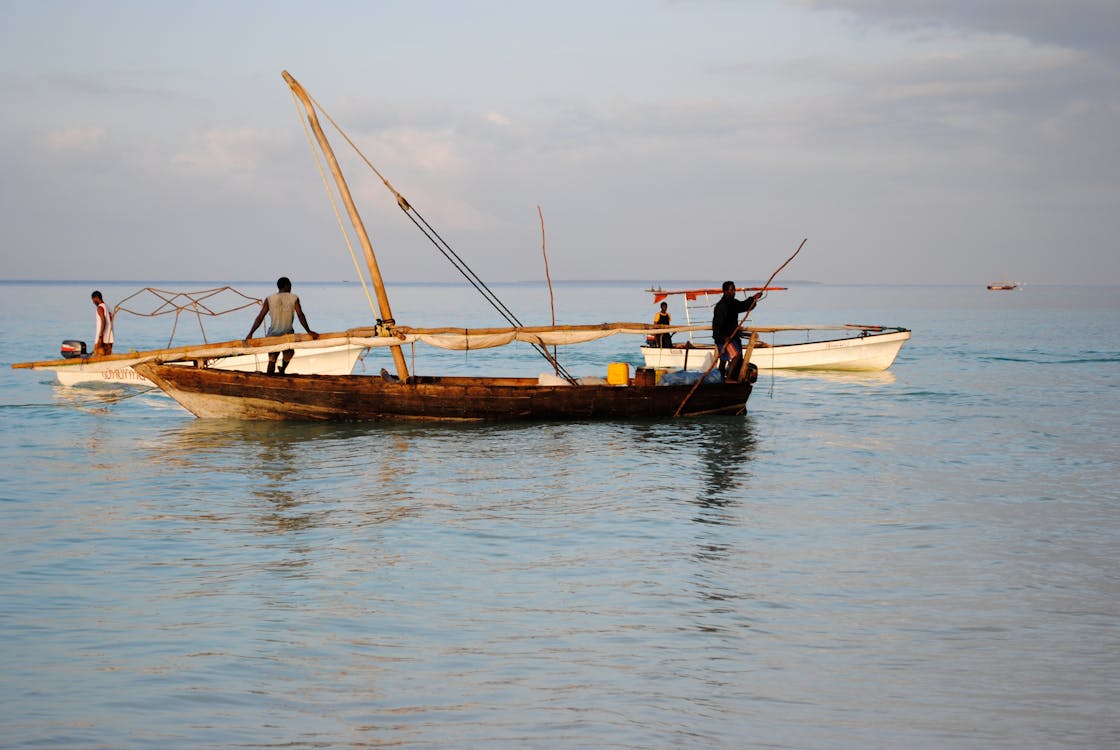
725,329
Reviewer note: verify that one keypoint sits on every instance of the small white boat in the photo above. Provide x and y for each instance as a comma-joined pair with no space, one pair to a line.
77,368
117,369
865,349
851,348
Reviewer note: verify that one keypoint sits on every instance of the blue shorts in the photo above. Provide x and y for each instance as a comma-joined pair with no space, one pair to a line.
733,349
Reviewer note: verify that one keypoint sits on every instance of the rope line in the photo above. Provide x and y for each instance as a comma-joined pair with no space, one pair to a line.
443,246
334,204
196,302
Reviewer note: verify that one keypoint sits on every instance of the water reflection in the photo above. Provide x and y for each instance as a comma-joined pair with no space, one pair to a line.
93,397
294,476
726,448
278,462
870,379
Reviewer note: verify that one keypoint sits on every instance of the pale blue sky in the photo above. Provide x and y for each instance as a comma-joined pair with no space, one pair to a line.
912,141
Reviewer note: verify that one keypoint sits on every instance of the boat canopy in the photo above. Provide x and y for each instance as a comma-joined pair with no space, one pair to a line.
694,294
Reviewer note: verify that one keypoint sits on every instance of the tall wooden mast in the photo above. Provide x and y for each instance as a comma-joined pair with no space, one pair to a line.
355,219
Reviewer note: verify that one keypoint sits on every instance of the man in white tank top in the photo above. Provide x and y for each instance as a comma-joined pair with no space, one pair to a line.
103,344
282,308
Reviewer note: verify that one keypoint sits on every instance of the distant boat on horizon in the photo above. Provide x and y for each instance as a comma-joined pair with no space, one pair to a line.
1003,286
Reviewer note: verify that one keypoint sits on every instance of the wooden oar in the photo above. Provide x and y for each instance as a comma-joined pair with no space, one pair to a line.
743,369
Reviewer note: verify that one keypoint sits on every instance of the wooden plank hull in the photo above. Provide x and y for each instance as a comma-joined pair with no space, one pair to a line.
871,353
211,393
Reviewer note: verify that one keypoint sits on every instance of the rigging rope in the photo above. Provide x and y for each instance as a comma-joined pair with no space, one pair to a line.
197,302
443,247
334,204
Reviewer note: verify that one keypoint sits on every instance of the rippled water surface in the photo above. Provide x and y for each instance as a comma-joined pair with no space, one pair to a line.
925,558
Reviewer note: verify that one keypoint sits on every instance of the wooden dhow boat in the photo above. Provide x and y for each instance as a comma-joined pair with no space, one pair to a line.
77,367
207,392
212,393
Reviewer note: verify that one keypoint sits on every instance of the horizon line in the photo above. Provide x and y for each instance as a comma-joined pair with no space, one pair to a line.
698,283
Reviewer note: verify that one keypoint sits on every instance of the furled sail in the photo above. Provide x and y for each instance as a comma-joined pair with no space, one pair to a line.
458,339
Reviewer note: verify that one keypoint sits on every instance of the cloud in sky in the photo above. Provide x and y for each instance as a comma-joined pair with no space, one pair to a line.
222,152
1089,25
74,139
910,140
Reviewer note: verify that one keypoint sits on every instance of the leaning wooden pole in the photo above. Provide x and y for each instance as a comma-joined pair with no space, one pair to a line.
355,219
744,368
548,278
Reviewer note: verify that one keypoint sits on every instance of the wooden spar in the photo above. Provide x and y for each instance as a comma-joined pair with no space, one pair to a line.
355,219
795,252
548,278
744,368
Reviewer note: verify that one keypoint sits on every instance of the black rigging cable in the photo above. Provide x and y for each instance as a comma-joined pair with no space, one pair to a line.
487,293
452,257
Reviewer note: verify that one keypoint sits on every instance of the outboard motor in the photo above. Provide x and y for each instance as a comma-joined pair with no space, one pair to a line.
72,349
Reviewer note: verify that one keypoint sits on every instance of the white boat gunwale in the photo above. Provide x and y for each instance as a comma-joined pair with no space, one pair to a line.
874,349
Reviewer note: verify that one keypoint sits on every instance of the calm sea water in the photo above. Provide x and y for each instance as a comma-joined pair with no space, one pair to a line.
922,559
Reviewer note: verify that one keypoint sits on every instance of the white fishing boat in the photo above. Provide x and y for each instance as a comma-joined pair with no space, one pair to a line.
117,369
861,349
846,348
330,356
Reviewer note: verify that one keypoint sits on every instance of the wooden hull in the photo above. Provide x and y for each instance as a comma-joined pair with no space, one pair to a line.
871,353
211,393
118,368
